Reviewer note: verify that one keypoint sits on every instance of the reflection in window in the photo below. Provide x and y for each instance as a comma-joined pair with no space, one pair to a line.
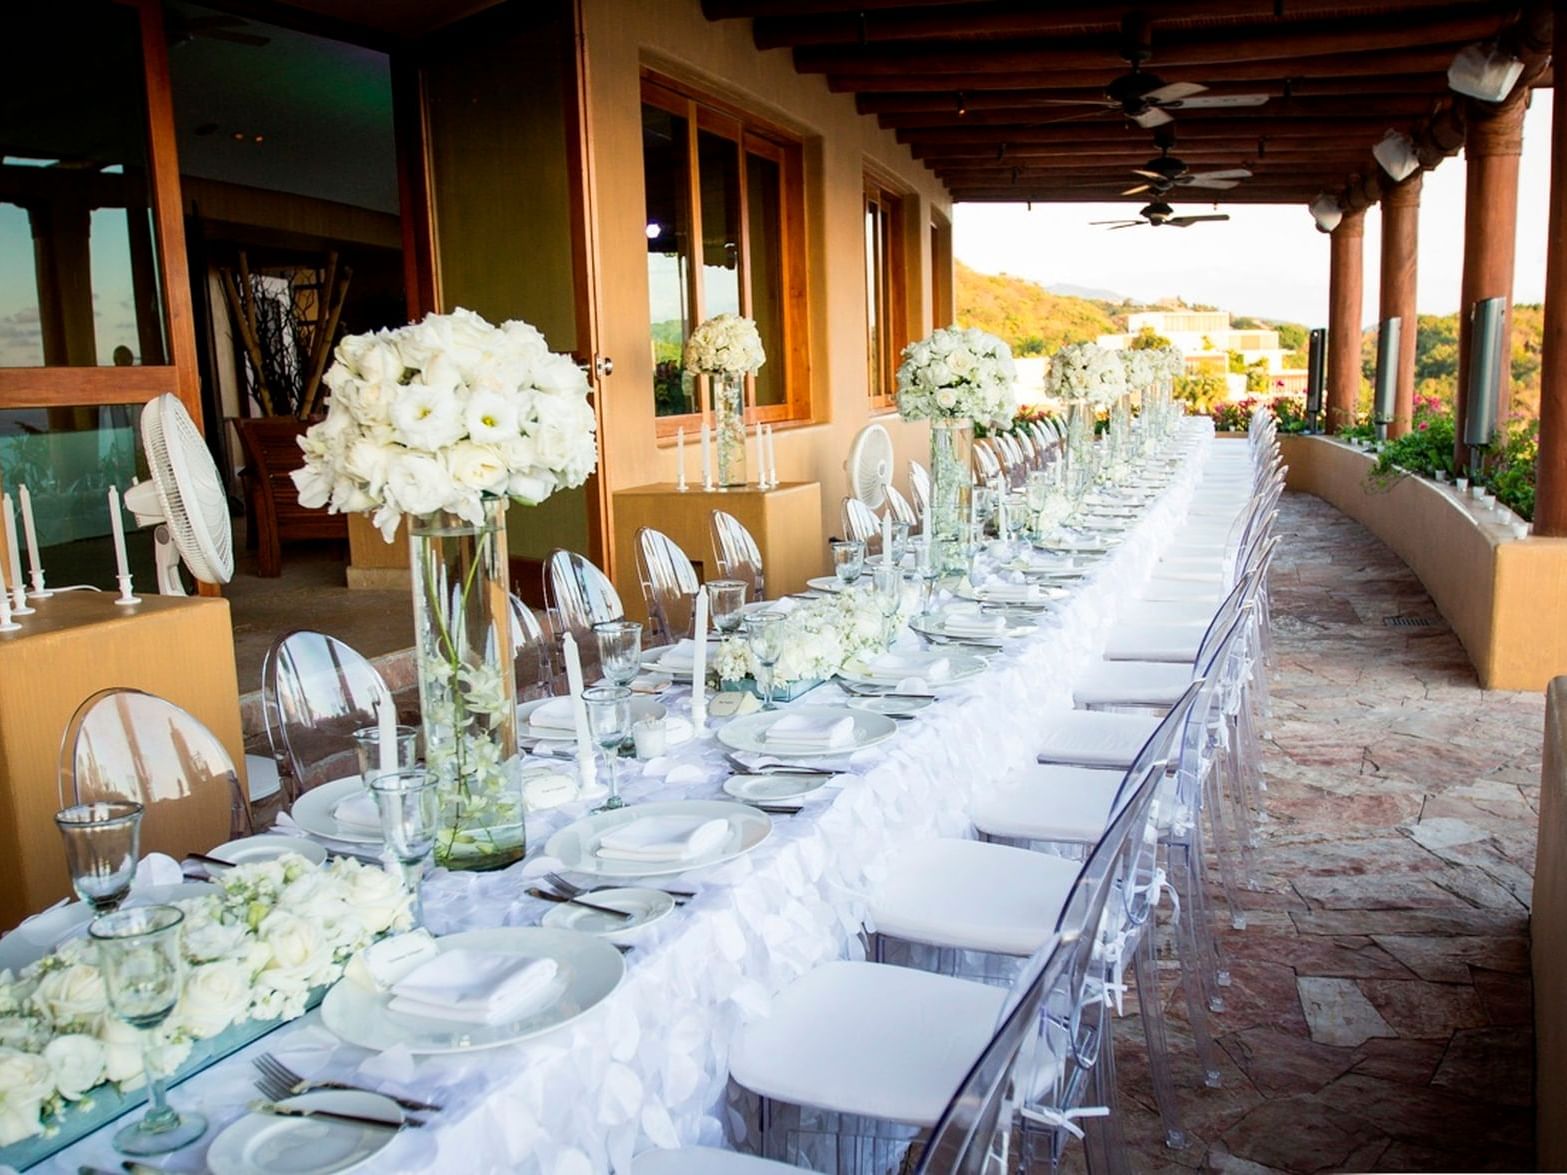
78,272
764,189
886,331
665,172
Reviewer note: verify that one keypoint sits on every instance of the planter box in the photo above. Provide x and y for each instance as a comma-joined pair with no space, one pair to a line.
787,693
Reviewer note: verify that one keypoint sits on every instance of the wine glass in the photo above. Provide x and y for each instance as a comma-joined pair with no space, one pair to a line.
367,746
927,567
887,582
764,631
139,958
726,601
620,650
410,808
848,560
609,722
102,842
900,542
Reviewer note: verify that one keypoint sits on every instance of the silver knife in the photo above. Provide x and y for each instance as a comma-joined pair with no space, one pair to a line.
281,1111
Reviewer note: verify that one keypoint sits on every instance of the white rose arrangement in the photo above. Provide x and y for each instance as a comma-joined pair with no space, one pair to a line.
255,950
726,344
958,374
1142,367
820,637
443,413
1086,371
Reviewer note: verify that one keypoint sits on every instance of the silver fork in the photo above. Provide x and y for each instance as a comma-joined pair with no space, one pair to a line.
572,890
278,1081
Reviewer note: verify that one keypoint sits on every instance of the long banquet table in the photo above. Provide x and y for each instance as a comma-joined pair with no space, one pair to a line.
649,1066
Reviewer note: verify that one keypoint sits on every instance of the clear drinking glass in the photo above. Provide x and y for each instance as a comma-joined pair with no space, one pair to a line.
620,649
983,501
410,807
764,632
367,746
1015,514
139,957
887,581
926,568
726,602
848,560
900,542
102,846
609,722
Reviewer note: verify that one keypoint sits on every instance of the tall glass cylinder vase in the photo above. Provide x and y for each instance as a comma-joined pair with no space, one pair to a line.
729,426
467,689
951,491
1079,430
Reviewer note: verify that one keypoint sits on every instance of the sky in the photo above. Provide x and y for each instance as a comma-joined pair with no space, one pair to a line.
1267,260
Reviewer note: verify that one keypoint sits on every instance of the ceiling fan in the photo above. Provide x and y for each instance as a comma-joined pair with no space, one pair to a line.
1167,172
1146,98
181,28
1159,214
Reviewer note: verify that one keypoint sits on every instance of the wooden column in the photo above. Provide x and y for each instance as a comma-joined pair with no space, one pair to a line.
1550,490
1344,294
1493,142
1400,249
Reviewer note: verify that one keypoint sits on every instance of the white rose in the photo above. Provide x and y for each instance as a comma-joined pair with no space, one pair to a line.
419,484
76,1064
530,486
369,462
426,417
491,417
300,957
71,994
215,996
947,398
559,374
378,897
25,1081
212,940
476,467
961,361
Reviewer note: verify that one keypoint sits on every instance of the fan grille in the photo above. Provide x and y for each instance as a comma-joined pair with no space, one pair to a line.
195,507
870,465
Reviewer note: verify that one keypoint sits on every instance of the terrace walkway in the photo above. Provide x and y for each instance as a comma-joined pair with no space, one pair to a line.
1380,1017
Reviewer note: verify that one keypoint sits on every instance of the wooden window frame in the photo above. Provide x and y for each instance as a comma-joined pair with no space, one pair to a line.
890,294
942,309
752,136
61,387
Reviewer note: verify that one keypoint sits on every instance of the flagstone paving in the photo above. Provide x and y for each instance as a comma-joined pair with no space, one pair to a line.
1380,1017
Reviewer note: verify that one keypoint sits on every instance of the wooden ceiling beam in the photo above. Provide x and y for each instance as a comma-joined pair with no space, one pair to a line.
1106,172
1238,150
1304,109
1186,131
1048,195
736,9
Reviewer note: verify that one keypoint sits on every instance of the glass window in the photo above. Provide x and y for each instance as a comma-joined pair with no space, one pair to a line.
886,317
666,171
764,187
79,284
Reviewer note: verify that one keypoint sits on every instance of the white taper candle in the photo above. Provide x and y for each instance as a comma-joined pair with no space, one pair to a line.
14,556
587,766
680,458
121,568
30,535
699,663
707,457
385,733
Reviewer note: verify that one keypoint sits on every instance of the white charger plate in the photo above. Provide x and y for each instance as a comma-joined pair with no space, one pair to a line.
640,708
645,906
960,667
251,849
313,812
749,733
1043,594
34,939
576,844
1014,622
589,970
772,788
827,583
268,1144
892,707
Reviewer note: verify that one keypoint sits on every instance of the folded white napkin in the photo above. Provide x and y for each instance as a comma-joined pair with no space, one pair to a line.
810,732
893,665
358,812
156,869
1012,593
663,838
555,717
477,987
973,622
681,656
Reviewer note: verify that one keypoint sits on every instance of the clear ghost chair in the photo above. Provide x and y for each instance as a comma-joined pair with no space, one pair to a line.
577,595
531,659
669,585
736,554
124,744
987,465
860,522
315,692
901,510
919,489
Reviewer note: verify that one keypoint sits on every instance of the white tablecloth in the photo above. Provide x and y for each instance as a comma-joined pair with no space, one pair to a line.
649,1066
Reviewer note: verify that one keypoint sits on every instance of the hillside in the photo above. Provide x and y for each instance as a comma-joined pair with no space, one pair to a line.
1030,319
1436,356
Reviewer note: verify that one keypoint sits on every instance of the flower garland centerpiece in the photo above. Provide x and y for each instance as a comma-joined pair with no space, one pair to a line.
820,637
955,378
727,348
441,423
272,934
1089,378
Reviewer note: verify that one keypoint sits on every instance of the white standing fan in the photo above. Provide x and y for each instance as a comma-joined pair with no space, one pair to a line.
184,498
870,465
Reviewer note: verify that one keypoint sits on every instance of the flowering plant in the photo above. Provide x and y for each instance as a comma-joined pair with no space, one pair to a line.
958,374
1086,371
820,637
253,950
726,344
1141,367
1169,362
439,415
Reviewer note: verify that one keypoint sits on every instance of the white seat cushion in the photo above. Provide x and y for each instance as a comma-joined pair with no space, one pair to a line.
1159,588
863,1038
1046,801
1088,738
973,896
1165,612
1133,683
705,1160
1155,642
261,771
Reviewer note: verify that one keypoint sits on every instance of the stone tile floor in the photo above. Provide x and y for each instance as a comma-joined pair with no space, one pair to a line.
1380,1017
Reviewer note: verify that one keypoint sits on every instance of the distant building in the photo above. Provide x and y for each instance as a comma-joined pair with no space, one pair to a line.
1206,338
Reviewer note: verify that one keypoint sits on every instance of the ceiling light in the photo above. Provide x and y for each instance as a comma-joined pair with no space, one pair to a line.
654,230
1484,71
1396,153
1326,211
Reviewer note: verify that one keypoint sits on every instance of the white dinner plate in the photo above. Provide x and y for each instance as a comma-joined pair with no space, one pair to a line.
826,583
1043,594
251,849
773,788
892,707
576,844
640,708
645,906
34,939
588,970
749,733
960,667
269,1144
313,812
1074,547
1014,622
652,664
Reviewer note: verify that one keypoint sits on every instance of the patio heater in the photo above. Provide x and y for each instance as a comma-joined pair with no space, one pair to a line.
1486,351
1384,402
1316,376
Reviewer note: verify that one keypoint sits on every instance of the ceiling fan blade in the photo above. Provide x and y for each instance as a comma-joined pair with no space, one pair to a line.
1149,175
1175,91
1187,221
1106,102
236,38
1132,224
1216,101
1117,223
1151,118
1198,181
1138,190
1099,113
1228,173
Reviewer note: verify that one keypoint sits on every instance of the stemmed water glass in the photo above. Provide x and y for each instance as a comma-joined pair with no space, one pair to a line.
726,602
929,571
887,582
367,746
410,808
900,542
609,722
620,650
764,632
848,560
102,842
139,958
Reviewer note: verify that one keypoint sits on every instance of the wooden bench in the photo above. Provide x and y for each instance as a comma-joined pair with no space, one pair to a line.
271,448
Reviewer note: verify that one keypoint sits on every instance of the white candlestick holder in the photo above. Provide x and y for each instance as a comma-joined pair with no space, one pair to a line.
126,595
19,604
